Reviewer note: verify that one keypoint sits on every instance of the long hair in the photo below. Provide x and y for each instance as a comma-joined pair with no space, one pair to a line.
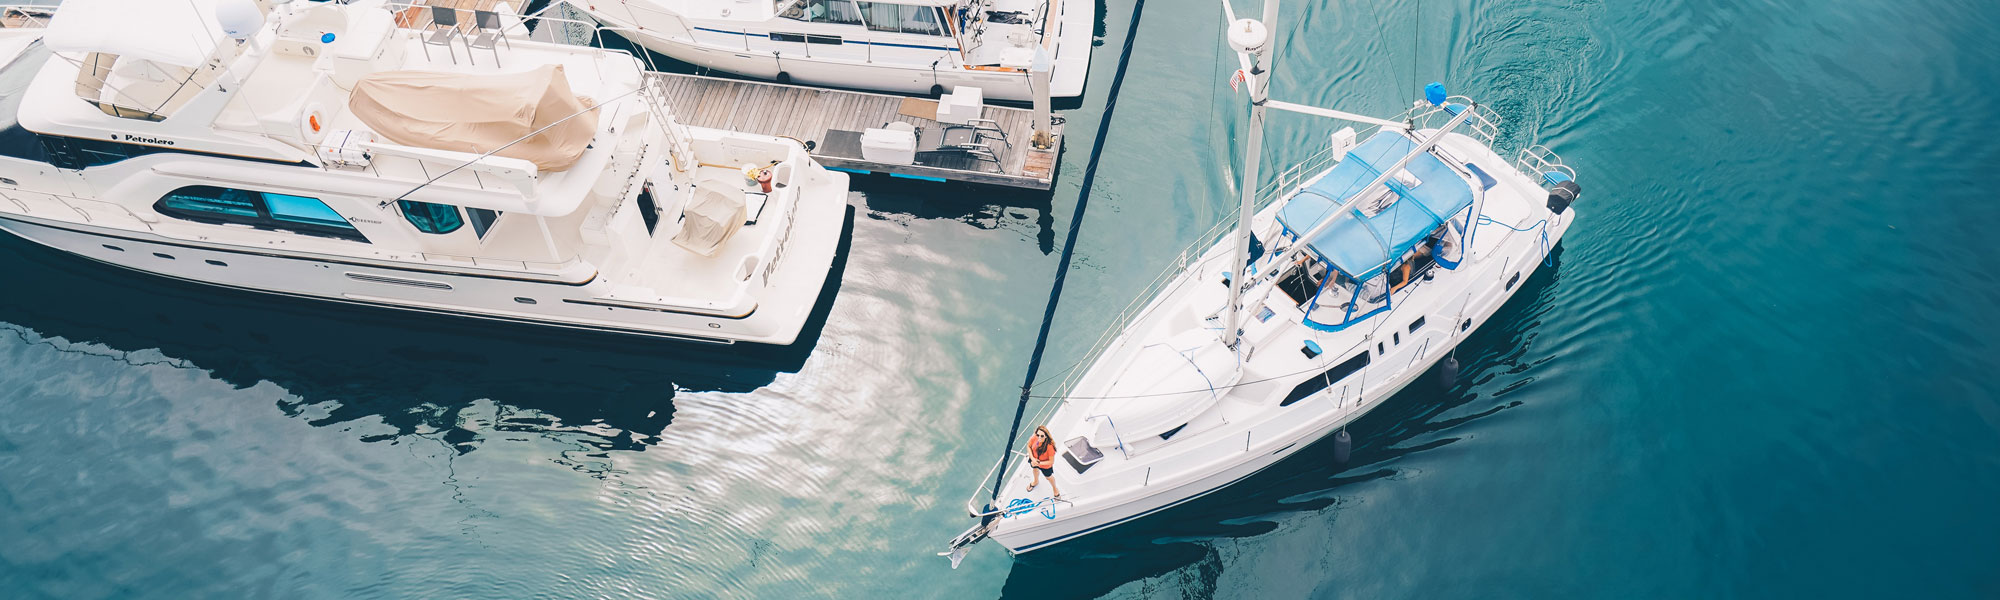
1048,440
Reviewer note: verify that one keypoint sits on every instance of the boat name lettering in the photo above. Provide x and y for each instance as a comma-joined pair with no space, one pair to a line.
147,140
361,220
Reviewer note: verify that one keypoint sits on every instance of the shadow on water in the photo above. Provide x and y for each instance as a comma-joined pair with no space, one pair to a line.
1408,423
414,372
892,198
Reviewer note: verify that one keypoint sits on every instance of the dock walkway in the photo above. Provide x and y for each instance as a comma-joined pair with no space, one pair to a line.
834,120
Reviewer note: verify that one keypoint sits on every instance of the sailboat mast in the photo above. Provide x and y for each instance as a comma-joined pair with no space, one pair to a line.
1247,36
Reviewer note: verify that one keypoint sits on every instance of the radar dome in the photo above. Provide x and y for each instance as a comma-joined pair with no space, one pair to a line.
239,19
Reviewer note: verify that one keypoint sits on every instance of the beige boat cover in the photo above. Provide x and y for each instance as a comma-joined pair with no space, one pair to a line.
714,214
478,113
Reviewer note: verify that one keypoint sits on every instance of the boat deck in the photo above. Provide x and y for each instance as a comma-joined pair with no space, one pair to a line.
835,119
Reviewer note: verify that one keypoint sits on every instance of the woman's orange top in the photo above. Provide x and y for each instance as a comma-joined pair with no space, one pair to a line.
1043,452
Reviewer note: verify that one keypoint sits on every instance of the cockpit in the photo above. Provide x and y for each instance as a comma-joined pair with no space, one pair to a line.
1392,236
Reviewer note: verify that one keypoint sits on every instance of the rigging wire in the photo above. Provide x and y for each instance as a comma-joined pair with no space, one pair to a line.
1069,245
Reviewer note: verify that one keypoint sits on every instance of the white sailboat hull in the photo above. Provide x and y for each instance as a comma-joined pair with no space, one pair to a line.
908,66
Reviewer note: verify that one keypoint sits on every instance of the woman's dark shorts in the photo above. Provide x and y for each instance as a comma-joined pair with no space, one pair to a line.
1049,471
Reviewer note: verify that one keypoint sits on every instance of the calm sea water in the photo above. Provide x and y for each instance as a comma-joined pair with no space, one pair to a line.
1763,365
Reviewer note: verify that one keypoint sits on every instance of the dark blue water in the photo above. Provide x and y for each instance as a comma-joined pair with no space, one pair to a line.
1763,364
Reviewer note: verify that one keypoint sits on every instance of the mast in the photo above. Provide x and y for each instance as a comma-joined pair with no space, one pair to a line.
1251,37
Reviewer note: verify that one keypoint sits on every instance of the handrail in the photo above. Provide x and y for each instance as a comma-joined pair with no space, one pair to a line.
1538,161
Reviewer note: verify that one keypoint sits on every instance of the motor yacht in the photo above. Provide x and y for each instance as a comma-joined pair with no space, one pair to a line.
367,153
905,46
1341,283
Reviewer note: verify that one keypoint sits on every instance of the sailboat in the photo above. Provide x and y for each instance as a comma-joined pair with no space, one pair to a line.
1366,265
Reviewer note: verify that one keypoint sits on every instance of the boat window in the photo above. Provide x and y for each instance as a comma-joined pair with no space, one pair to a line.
840,12
649,209
300,209
823,39
1327,379
431,218
901,18
482,220
262,210
787,37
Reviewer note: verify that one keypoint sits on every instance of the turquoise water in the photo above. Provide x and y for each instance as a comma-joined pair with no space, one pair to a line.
1763,365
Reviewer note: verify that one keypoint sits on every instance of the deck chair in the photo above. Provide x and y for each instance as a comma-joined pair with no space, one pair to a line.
491,34
442,30
984,129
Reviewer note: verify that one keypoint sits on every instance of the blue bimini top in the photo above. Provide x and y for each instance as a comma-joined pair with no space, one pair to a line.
1361,245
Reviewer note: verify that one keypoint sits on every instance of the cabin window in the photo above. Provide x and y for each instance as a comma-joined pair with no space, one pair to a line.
832,40
840,12
431,218
649,209
1327,379
300,209
262,210
482,220
788,37
1417,324
77,154
902,18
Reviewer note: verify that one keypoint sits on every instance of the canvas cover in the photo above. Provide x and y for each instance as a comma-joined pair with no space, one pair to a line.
1362,244
478,113
714,214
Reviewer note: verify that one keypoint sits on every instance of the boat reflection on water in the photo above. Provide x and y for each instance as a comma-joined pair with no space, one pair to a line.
415,373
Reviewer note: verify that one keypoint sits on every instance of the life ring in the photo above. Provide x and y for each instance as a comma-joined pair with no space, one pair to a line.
313,125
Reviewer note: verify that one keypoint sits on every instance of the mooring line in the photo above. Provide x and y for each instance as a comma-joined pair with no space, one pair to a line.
1069,245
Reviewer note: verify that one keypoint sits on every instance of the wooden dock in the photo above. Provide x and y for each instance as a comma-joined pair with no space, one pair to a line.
834,119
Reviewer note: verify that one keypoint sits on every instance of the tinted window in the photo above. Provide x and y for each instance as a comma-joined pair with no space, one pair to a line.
212,201
300,209
1327,379
431,218
482,220
282,212
77,153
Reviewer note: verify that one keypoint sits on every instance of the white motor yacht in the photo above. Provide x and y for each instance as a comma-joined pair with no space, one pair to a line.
1377,258
360,152
905,46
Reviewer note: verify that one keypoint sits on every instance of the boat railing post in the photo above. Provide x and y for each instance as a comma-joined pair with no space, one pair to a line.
1038,86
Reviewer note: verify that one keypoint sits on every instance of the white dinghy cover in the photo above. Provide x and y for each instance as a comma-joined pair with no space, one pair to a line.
478,113
714,213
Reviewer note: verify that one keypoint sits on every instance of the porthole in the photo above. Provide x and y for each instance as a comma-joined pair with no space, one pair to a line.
216,263
165,256
111,247
524,300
